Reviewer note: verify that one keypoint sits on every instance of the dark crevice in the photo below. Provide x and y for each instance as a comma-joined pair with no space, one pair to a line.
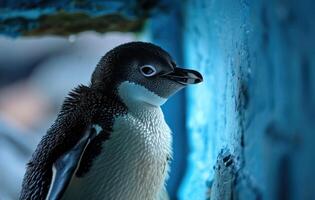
284,179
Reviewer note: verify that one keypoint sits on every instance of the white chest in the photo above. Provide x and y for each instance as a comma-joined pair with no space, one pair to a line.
133,163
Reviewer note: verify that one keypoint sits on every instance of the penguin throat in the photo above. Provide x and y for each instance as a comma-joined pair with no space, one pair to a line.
133,94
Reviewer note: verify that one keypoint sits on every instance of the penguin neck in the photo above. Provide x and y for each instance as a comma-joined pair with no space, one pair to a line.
139,99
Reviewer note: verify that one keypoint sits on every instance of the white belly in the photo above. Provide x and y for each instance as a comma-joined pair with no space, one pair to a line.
133,163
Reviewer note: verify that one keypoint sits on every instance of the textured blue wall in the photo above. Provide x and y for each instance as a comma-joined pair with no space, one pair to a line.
251,123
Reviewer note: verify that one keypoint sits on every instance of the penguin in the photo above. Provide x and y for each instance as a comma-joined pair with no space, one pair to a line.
110,139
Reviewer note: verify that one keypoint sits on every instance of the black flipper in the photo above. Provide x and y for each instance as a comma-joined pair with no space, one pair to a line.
68,129
64,168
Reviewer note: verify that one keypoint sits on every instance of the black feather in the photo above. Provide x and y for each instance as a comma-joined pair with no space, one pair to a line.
83,106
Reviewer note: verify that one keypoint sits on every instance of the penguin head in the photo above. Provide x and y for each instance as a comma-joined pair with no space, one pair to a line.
142,72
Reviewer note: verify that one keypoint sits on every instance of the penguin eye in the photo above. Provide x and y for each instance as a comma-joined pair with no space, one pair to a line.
148,70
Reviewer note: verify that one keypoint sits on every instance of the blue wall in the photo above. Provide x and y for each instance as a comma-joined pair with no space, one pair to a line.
251,123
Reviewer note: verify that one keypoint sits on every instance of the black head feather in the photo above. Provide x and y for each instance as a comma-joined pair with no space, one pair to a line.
123,62
119,59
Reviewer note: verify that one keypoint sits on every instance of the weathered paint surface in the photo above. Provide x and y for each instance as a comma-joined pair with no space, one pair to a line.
251,123
60,17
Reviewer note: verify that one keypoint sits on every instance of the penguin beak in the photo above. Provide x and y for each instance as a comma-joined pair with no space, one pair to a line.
184,76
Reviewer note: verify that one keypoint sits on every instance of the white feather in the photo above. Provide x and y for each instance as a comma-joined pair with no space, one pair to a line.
52,180
134,94
133,163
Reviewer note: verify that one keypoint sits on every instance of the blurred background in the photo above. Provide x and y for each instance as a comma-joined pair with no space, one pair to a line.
247,132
